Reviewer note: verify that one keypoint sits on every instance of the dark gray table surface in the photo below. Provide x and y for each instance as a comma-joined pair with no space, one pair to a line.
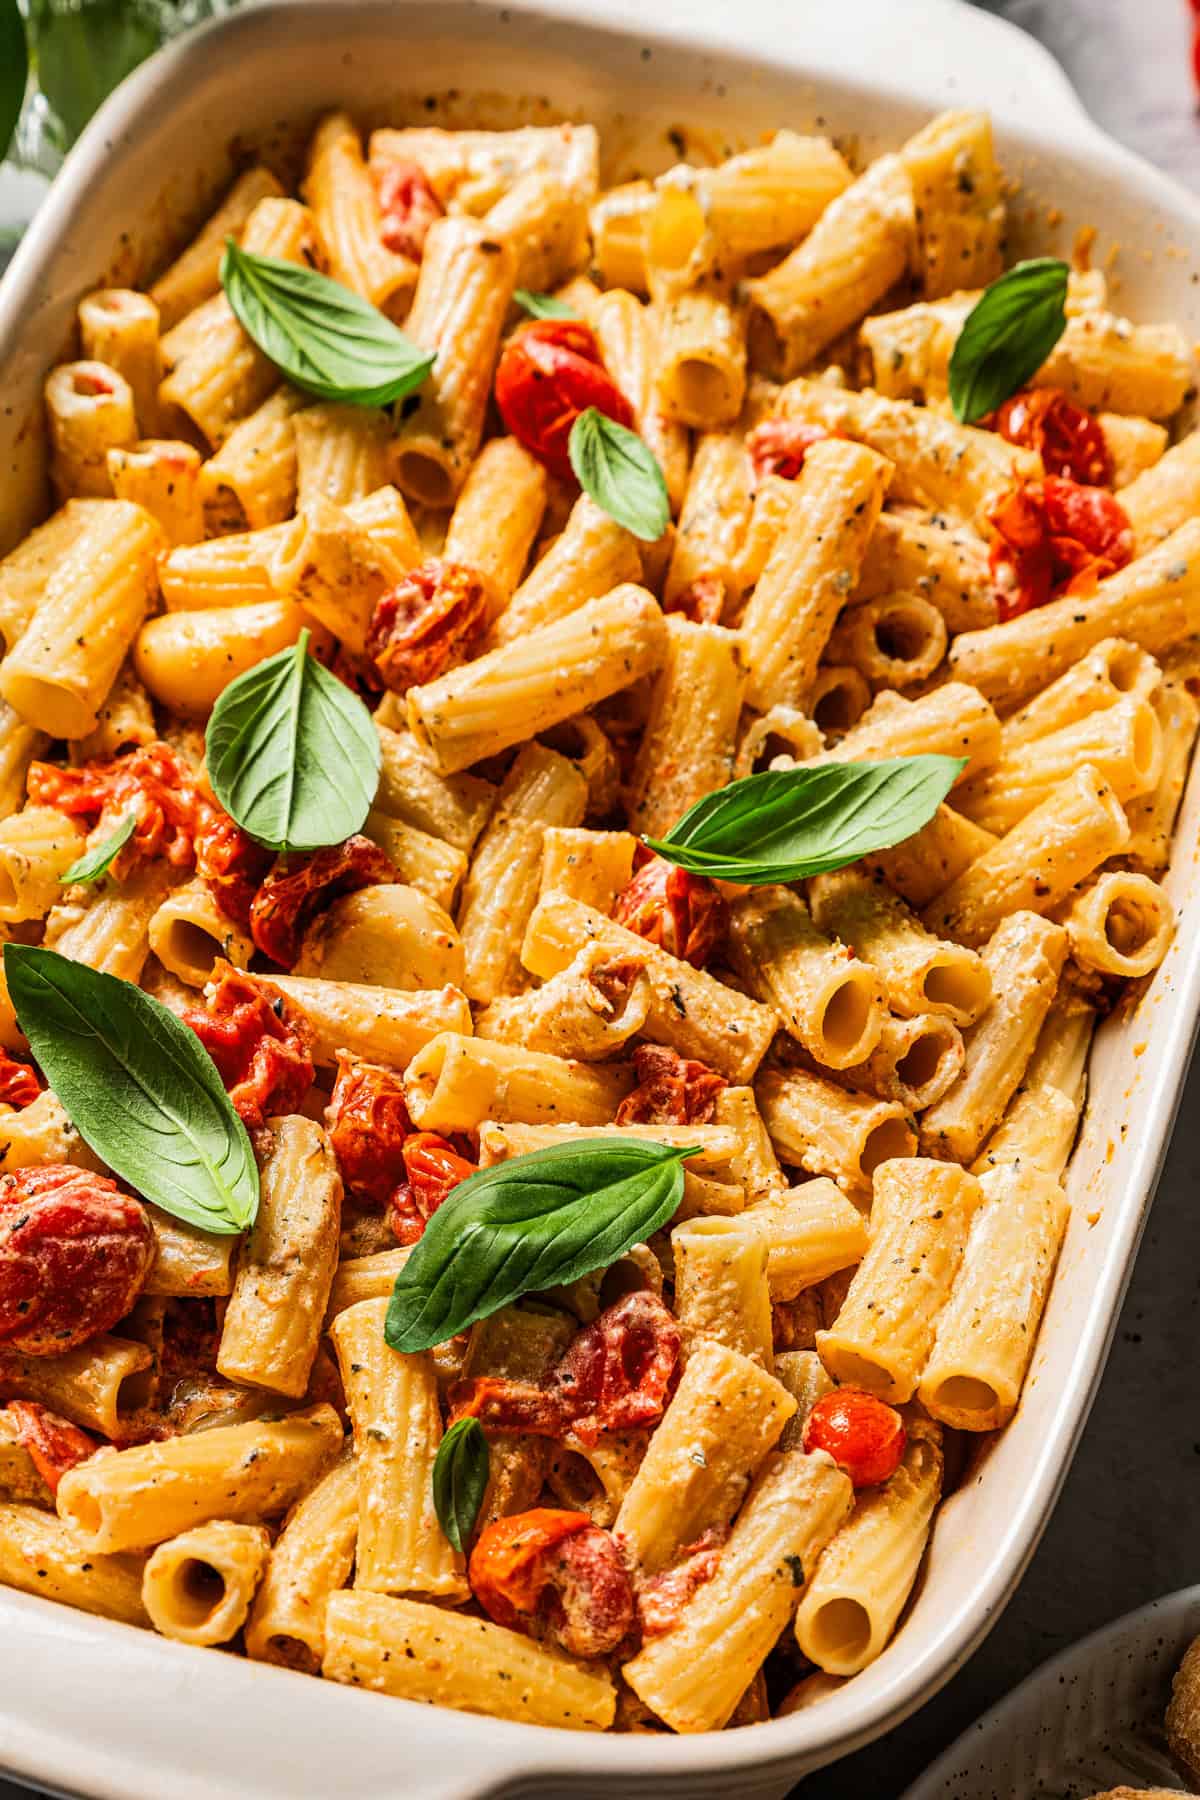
1121,1533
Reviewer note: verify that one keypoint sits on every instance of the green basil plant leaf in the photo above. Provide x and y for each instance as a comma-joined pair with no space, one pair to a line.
292,754
460,1477
534,1222
1007,336
138,1086
787,824
99,860
620,473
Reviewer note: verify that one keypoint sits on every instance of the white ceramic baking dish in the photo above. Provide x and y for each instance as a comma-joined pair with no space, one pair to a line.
102,1710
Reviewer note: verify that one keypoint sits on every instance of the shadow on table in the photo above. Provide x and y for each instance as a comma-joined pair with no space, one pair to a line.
1137,1466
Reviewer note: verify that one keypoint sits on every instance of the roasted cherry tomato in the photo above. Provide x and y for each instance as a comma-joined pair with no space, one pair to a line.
671,1090
53,1443
1055,537
430,621
865,1436
680,912
614,1376
662,1598
433,1169
233,865
408,206
19,1085
550,372
74,1255
554,1574
1069,440
261,1045
368,1122
299,887
779,446
152,782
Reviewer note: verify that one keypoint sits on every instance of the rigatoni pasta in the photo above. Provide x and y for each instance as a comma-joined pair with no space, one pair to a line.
458,1440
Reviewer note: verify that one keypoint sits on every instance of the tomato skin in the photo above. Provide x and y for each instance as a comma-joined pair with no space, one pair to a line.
74,1255
681,912
367,1120
19,1085
550,372
408,206
234,866
299,887
433,1169
53,1443
260,1043
429,622
1054,537
549,1572
613,1376
779,446
671,1090
1068,438
153,782
864,1435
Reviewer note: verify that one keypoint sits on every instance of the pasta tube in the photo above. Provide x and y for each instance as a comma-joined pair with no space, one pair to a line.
397,1422
829,1000
511,693
883,1333
311,1559
198,1586
123,1499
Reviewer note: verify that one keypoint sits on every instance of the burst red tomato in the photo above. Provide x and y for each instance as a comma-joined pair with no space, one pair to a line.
1069,440
433,1169
614,1376
779,446
1055,537
260,1043
152,782
234,866
552,1573
74,1255
550,372
429,622
662,1598
53,1443
19,1085
671,1090
681,912
865,1436
368,1121
408,206
300,887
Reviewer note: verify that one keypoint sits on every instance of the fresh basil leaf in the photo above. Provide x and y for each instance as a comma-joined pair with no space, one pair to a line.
98,861
620,473
532,1223
543,306
1007,336
292,754
460,1477
82,52
139,1087
325,338
14,71
786,824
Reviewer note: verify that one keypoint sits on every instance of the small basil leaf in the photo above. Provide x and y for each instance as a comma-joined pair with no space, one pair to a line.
620,473
99,860
532,1223
543,306
14,71
787,824
139,1087
1007,336
292,754
81,53
460,1477
323,336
